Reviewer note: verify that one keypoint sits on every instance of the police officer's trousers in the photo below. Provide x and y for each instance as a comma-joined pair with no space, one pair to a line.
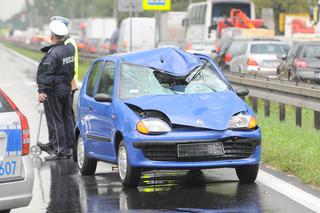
58,111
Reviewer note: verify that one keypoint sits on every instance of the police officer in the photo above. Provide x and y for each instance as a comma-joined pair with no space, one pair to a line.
71,43
54,76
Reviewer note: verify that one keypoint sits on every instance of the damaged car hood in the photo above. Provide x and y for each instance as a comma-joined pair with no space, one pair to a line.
210,110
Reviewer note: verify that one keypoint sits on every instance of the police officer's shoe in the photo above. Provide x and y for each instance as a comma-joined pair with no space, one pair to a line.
46,148
70,152
62,156
52,156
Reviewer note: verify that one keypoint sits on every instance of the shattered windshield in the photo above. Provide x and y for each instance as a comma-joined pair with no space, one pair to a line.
136,81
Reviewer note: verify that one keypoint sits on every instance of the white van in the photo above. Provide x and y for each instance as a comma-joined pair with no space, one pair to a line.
202,17
171,32
143,34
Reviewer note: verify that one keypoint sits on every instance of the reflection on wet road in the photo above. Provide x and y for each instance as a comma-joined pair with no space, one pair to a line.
59,187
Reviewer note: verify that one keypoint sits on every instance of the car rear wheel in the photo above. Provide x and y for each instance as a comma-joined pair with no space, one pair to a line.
5,211
129,176
247,174
87,166
292,77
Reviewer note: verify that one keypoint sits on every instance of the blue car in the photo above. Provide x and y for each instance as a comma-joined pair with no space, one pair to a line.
164,109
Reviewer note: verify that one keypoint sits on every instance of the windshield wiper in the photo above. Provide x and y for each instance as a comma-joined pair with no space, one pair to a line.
197,73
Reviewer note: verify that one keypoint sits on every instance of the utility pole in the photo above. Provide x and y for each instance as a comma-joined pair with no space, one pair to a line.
71,9
115,9
94,8
130,14
27,12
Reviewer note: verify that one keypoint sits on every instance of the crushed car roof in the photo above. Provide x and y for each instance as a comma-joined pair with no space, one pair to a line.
170,60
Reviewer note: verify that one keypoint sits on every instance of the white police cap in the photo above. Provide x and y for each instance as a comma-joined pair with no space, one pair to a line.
64,20
58,28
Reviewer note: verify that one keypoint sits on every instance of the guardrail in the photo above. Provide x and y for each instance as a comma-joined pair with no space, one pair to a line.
300,95
82,56
284,92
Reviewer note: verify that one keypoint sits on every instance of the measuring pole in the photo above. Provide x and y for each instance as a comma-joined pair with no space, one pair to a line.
130,14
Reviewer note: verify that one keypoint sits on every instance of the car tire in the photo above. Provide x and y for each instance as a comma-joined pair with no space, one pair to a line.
292,77
129,176
247,174
86,165
5,211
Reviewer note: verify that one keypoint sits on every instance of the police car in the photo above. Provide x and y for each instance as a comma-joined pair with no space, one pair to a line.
16,171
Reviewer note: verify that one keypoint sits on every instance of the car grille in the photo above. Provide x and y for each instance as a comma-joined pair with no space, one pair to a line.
235,148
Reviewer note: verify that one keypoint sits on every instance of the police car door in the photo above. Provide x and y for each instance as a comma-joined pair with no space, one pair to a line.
101,119
11,167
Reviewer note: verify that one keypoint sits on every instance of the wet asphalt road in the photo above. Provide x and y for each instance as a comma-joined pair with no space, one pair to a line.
59,187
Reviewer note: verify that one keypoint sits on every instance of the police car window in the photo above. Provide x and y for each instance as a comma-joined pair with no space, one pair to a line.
93,78
4,105
106,79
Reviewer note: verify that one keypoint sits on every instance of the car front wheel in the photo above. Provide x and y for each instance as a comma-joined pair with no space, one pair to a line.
129,176
87,166
247,174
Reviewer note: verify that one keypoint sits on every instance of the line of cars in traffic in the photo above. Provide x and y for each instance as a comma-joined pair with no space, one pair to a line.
273,57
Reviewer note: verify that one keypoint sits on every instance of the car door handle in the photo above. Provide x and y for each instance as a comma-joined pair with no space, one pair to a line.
90,108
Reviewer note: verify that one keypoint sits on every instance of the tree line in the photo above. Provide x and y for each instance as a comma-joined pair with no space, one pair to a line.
38,12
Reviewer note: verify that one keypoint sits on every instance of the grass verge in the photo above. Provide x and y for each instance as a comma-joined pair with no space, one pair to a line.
286,147
289,148
83,65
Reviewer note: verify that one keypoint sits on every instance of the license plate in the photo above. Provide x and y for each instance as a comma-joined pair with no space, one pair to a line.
10,167
200,150
270,64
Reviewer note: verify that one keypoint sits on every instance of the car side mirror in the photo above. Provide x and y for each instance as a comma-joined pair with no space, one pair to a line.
185,22
212,27
242,92
284,57
102,97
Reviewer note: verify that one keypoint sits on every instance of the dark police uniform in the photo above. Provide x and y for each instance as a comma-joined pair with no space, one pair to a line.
54,76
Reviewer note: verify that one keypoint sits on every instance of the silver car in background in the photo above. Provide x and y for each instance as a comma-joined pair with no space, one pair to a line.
260,57
16,170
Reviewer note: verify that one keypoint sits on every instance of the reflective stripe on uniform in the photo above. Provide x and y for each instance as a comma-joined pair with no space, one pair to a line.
76,57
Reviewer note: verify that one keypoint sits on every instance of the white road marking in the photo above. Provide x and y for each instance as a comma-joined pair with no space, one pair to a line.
294,193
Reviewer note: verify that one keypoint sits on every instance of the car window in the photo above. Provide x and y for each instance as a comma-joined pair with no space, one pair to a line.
237,48
93,78
203,14
4,105
267,48
223,9
106,79
293,51
311,51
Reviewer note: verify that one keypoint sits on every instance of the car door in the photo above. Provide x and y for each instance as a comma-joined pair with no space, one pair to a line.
11,133
86,102
239,60
291,56
101,119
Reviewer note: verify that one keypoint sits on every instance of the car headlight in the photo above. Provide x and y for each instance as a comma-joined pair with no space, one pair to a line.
152,126
243,121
